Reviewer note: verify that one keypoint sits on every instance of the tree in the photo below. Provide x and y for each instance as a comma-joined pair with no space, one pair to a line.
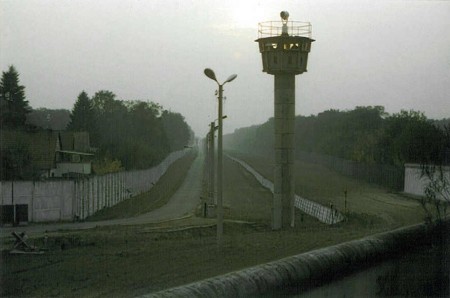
13,105
437,188
177,131
437,192
129,131
364,134
82,117
409,136
145,135
49,119
104,102
106,166
111,119
15,160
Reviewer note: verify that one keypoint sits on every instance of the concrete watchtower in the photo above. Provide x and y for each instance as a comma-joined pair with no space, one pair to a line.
284,47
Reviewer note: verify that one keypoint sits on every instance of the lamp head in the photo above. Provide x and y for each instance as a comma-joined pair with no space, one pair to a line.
284,15
210,74
230,78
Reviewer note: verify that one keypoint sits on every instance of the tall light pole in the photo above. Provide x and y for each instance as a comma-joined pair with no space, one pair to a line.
212,159
212,162
210,74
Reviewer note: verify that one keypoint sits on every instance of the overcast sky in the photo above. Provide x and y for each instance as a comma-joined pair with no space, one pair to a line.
378,52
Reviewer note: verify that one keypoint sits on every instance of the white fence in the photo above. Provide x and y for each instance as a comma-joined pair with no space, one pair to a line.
322,213
70,199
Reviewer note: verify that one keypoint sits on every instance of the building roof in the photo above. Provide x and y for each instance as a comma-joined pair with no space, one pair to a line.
75,152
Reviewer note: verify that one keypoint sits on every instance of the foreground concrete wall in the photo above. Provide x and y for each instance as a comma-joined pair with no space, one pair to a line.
304,270
322,213
78,199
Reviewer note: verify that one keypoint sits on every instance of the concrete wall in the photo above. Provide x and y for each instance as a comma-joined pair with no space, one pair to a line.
51,201
99,192
78,199
322,213
414,183
304,270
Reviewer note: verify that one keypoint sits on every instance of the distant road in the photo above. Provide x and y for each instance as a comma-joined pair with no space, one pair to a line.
182,203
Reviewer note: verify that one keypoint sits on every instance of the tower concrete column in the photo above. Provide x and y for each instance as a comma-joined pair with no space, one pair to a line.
284,118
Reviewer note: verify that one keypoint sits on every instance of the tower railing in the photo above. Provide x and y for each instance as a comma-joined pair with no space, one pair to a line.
274,28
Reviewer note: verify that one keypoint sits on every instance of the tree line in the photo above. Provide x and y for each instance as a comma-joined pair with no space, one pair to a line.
365,134
126,134
53,119
135,134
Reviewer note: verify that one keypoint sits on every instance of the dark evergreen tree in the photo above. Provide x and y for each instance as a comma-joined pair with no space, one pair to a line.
82,117
13,105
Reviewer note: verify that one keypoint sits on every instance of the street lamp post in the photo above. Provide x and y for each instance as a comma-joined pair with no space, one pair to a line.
212,159
211,165
210,74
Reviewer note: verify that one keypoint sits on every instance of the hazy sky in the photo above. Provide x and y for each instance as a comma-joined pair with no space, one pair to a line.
378,52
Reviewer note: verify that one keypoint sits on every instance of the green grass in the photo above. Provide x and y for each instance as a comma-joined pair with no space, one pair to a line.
125,261
158,195
322,185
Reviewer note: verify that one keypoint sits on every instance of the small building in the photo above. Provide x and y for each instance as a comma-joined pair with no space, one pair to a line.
415,182
73,155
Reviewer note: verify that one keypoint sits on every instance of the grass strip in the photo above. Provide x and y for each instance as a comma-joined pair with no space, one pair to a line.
156,197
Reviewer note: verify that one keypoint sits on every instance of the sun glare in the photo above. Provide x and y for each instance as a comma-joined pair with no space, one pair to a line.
247,15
